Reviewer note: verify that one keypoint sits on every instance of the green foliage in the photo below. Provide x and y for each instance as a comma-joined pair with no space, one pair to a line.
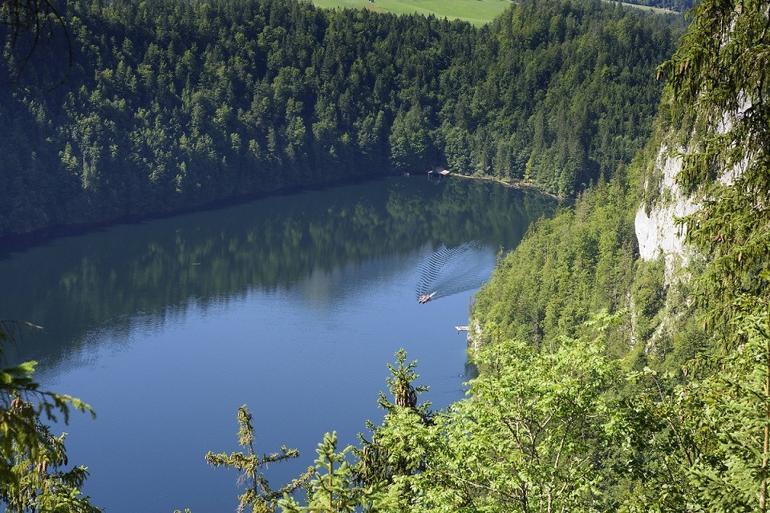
331,489
579,262
737,413
649,294
408,141
258,496
171,105
531,435
572,410
721,74
401,388
32,459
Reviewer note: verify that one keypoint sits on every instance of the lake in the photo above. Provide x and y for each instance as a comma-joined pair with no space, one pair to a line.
292,304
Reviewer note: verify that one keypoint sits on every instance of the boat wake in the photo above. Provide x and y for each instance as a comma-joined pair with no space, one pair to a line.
453,270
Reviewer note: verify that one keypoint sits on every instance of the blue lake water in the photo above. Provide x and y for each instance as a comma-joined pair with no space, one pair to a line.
292,305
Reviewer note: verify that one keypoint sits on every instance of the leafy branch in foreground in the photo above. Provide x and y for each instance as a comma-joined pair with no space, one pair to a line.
258,495
31,457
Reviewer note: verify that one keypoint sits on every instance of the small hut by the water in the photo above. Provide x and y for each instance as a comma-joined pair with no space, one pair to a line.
438,171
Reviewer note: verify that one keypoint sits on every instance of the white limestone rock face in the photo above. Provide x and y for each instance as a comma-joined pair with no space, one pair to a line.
656,227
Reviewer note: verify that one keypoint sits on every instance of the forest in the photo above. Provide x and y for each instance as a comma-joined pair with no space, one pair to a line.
146,108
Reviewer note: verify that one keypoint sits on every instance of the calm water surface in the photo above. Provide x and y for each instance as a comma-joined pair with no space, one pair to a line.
292,305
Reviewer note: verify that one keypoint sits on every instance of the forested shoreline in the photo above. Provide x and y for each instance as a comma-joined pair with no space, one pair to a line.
168,106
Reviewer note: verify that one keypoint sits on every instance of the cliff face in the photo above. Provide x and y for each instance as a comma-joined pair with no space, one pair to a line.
658,232
656,227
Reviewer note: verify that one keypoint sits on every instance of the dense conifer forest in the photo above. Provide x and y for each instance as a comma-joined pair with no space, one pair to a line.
168,105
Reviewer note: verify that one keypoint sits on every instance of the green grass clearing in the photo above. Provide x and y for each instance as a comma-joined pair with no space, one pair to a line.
656,10
477,12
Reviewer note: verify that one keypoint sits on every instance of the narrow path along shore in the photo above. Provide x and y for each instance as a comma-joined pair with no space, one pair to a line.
513,184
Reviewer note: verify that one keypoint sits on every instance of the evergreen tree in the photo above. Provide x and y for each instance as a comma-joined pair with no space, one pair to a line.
258,496
331,489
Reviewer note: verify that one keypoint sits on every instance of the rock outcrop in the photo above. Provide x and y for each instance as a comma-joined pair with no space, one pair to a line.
658,231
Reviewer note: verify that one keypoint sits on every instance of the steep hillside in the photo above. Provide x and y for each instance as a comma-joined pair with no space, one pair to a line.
667,268
170,105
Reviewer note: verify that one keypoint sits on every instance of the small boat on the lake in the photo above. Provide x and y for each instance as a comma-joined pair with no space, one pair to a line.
425,298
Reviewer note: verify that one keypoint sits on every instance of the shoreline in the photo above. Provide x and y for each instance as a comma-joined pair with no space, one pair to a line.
515,184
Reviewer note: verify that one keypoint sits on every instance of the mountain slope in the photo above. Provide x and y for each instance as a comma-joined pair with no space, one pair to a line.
171,105
680,260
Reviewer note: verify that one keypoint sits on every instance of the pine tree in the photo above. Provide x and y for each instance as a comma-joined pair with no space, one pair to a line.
332,488
258,496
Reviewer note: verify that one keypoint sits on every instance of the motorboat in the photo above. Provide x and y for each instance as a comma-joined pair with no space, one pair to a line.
424,298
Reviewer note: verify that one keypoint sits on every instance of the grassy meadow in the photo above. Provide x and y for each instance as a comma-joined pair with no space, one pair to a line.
477,12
